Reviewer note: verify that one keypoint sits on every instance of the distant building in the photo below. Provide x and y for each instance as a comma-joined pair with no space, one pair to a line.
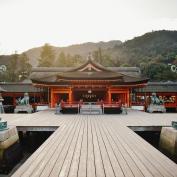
89,82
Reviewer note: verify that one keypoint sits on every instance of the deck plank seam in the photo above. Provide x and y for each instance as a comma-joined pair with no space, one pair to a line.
157,164
46,152
142,167
117,140
118,150
106,148
101,150
140,156
74,143
93,147
61,147
110,144
80,152
97,147
41,148
75,152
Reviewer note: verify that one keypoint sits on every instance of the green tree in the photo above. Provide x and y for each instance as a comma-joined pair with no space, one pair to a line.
77,60
17,68
12,69
47,56
24,66
98,56
68,60
102,58
115,62
61,60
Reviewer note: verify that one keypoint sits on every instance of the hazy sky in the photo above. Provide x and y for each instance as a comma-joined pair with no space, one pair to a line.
30,23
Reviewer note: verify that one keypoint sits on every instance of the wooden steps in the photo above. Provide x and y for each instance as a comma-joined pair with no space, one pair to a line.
91,109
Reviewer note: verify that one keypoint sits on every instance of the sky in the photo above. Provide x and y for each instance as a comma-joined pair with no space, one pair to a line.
26,24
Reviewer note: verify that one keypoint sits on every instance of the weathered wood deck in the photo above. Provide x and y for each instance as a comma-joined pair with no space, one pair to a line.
95,146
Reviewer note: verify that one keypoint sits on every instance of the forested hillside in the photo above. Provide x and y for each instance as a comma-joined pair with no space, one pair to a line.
152,52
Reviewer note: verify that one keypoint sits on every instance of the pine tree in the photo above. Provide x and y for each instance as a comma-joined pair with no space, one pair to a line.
61,60
12,75
25,67
47,56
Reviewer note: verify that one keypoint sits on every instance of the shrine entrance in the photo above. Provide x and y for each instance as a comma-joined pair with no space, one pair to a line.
119,95
89,95
57,95
74,95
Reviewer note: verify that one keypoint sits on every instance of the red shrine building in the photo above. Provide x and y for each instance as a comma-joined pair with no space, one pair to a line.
90,82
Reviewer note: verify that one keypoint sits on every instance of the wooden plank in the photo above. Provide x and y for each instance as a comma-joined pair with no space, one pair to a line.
142,167
65,150
95,146
68,159
160,161
124,152
76,157
154,168
145,161
49,160
82,170
104,155
153,156
91,171
112,158
36,168
99,168
42,151
120,158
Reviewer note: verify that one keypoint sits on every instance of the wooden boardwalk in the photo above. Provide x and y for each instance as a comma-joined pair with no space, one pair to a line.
95,146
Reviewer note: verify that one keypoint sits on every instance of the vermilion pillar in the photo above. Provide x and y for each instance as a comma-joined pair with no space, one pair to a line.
70,96
109,96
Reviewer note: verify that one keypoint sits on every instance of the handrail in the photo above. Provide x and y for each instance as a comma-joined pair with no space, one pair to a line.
91,103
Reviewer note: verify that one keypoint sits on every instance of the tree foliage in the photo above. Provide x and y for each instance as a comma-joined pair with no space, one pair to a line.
25,67
47,56
151,52
102,57
12,69
18,68
68,60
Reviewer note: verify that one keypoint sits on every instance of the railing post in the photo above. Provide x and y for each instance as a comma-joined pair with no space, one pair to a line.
78,108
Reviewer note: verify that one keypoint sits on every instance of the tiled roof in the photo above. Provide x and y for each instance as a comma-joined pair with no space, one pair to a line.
19,87
1,89
159,87
98,72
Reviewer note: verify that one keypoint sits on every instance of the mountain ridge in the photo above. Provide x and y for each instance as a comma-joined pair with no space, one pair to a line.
144,47
75,49
151,52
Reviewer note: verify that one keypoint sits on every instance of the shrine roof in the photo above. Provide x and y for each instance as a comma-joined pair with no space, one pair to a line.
159,87
88,71
2,90
19,87
150,87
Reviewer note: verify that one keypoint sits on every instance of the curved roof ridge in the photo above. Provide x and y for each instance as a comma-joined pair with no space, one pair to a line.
92,62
